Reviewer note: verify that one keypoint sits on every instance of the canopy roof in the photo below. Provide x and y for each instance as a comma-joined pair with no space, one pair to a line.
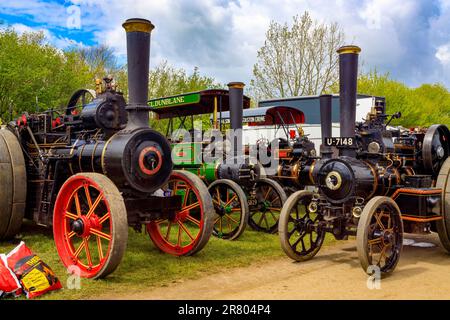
266,116
193,103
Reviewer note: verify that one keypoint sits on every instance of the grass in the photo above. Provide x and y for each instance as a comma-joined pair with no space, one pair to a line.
143,266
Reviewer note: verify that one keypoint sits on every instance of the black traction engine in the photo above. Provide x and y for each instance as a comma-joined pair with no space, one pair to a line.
97,168
386,181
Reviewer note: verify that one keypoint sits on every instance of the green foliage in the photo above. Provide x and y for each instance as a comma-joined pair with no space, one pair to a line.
422,106
33,73
166,80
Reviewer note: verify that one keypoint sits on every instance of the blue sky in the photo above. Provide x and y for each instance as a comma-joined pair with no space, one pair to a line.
410,39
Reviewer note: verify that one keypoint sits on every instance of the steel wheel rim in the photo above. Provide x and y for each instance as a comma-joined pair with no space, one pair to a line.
229,210
384,239
162,231
271,205
81,200
301,226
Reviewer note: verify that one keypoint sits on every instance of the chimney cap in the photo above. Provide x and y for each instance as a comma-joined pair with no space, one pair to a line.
349,49
138,25
237,85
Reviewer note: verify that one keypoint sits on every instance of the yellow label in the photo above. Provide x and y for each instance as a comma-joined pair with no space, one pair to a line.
35,280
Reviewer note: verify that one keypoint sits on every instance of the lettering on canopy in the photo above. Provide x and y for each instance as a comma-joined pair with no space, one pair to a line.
175,101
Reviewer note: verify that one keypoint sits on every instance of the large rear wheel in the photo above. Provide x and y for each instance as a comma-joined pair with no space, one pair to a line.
443,226
301,235
90,225
191,226
379,237
13,184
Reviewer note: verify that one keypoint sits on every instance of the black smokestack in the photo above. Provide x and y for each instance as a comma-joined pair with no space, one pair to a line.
236,101
138,56
348,77
325,124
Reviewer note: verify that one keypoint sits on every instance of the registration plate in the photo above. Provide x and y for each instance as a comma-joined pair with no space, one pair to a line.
340,142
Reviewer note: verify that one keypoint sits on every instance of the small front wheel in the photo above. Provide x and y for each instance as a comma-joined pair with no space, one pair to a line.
270,198
379,237
232,212
299,229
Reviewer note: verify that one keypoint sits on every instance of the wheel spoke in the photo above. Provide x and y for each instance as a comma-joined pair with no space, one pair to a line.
71,234
100,234
104,218
377,217
168,231
191,206
231,218
88,196
77,203
231,200
193,220
100,249
95,205
267,194
71,215
88,252
260,219
186,196
374,241
185,230
80,248
179,237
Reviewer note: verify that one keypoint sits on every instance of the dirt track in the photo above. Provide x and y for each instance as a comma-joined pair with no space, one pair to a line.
335,273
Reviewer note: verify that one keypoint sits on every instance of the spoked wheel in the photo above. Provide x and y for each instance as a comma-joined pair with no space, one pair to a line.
443,226
78,100
90,224
436,147
300,233
13,185
190,228
231,207
379,237
271,197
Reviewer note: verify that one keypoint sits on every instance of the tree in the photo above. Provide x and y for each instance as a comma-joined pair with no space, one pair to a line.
297,61
35,75
165,80
101,60
423,106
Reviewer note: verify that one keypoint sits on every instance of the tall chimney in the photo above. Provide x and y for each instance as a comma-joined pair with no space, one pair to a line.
236,101
348,77
325,124
138,57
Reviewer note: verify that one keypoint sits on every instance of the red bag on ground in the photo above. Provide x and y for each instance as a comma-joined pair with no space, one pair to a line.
34,275
9,284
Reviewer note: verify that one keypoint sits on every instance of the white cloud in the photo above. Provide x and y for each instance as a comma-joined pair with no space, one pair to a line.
443,54
57,41
405,38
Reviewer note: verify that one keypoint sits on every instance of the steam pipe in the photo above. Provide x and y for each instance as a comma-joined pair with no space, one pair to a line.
348,77
138,57
325,124
236,101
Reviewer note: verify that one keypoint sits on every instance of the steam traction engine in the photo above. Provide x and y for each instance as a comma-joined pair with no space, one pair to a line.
384,182
240,195
97,169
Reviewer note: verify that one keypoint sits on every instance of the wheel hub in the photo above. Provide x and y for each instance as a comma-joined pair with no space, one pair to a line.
83,225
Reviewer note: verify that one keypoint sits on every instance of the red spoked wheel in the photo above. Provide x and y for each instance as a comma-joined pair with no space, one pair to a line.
191,226
90,225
